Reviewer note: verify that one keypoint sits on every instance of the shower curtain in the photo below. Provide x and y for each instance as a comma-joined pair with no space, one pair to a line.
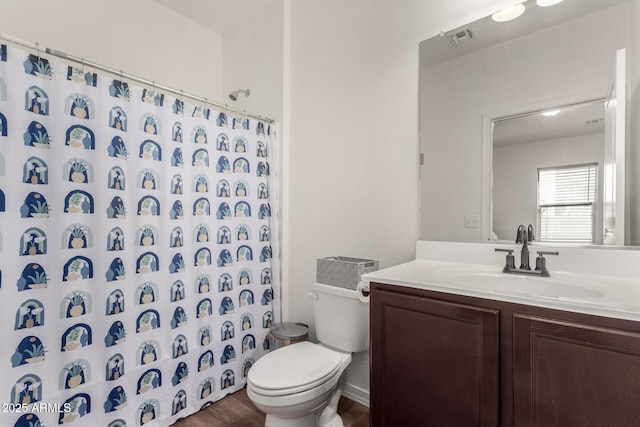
136,268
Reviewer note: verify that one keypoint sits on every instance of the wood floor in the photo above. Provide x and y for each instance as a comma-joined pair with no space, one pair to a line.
237,410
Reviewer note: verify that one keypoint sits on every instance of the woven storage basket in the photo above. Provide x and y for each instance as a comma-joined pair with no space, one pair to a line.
343,271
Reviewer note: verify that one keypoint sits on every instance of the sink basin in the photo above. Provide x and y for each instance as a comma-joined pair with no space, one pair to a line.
514,284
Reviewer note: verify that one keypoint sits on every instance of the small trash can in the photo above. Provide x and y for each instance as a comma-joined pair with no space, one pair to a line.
281,334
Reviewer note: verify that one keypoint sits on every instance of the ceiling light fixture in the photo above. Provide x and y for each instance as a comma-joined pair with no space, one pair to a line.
509,13
545,3
550,113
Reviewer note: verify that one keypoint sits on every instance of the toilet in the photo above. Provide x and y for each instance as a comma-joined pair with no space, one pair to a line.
300,385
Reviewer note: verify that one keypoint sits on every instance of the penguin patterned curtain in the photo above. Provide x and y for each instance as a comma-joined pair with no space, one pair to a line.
135,248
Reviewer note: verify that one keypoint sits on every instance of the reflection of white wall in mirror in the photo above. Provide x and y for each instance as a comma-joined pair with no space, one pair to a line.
515,169
454,95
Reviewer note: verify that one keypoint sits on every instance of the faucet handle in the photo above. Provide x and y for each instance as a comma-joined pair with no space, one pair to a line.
541,262
542,253
510,261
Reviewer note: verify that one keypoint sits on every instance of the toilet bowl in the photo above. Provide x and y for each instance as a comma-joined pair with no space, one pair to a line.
300,385
295,384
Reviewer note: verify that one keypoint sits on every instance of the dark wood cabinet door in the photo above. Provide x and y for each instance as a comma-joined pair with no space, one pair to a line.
571,374
433,363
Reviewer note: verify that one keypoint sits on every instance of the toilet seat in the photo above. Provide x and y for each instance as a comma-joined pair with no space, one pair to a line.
294,369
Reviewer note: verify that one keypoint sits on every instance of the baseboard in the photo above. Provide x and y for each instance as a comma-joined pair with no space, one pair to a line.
356,394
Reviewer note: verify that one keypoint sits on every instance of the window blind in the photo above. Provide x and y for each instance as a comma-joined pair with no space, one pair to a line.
566,203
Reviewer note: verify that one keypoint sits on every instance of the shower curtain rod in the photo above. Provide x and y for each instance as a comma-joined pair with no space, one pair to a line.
130,77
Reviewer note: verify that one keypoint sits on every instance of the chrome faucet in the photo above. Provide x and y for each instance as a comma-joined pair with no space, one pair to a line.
525,235
522,237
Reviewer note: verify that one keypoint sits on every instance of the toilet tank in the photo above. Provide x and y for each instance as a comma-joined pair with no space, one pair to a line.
341,319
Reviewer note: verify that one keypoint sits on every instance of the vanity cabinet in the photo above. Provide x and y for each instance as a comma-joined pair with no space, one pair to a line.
440,359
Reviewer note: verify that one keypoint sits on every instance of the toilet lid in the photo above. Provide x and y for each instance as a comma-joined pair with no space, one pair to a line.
295,366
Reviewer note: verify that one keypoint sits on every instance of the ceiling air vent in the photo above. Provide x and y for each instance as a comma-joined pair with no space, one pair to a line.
462,36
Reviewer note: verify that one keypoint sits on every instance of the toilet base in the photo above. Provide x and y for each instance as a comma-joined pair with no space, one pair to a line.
336,421
329,416
308,420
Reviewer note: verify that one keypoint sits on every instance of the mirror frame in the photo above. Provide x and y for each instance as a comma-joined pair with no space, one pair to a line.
488,118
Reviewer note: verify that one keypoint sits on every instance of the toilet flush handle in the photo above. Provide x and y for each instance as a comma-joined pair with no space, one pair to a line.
312,295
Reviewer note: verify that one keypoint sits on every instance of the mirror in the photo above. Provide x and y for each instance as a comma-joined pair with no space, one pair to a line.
480,81
548,171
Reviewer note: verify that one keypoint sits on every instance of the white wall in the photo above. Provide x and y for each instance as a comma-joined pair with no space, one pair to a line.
515,176
139,37
352,133
253,57
529,70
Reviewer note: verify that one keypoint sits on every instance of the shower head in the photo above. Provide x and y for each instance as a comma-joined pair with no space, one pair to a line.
234,95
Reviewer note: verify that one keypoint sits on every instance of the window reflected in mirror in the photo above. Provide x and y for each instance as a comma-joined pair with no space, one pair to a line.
567,208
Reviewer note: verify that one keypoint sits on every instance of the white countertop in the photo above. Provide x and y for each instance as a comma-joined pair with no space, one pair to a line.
609,295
